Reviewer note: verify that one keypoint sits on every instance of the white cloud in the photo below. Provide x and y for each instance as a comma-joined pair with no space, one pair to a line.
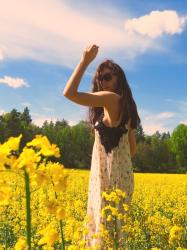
13,82
38,120
151,122
55,33
48,109
157,23
2,111
41,119
181,106
183,122
26,104
1,56
72,122
160,116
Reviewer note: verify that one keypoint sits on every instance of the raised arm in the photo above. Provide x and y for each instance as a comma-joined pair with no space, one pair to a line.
73,83
96,99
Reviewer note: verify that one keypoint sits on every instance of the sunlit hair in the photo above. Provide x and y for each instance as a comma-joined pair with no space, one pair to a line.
123,89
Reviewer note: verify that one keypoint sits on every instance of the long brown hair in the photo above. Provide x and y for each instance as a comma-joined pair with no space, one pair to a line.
123,89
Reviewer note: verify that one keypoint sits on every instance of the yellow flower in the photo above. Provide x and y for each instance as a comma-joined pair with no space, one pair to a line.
60,186
40,177
5,150
181,248
46,149
95,236
51,206
125,217
11,160
5,193
108,207
120,192
82,244
109,217
58,175
12,143
47,248
50,235
114,196
38,141
21,244
175,233
3,158
85,231
126,207
120,216
27,159
56,170
49,238
50,150
114,211
60,213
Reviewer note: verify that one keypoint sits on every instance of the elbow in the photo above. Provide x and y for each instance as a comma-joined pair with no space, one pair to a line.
66,94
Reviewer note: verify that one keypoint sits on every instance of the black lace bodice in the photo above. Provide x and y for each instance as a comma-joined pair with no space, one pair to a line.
109,136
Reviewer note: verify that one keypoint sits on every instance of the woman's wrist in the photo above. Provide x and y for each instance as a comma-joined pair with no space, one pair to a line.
84,62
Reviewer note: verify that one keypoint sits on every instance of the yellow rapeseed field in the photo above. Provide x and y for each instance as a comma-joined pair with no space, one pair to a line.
43,204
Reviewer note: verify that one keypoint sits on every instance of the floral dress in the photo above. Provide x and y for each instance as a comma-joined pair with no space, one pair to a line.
111,166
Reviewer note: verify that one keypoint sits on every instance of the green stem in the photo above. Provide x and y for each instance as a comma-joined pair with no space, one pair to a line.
28,209
6,238
61,231
115,237
115,230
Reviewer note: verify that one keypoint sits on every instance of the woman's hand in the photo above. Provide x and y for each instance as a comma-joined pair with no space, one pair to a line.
89,53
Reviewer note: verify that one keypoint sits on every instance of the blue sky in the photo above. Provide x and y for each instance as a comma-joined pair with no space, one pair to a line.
41,43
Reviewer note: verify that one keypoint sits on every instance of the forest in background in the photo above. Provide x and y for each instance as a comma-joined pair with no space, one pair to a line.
156,153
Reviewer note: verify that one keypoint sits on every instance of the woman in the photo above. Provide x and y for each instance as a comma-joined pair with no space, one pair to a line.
113,114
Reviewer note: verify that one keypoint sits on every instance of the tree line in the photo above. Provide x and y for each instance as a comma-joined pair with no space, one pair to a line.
159,152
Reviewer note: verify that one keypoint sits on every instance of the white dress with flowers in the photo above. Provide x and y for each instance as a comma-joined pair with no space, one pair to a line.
111,166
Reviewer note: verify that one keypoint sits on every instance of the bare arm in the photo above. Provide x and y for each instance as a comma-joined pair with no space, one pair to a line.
88,55
132,140
96,99
74,81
